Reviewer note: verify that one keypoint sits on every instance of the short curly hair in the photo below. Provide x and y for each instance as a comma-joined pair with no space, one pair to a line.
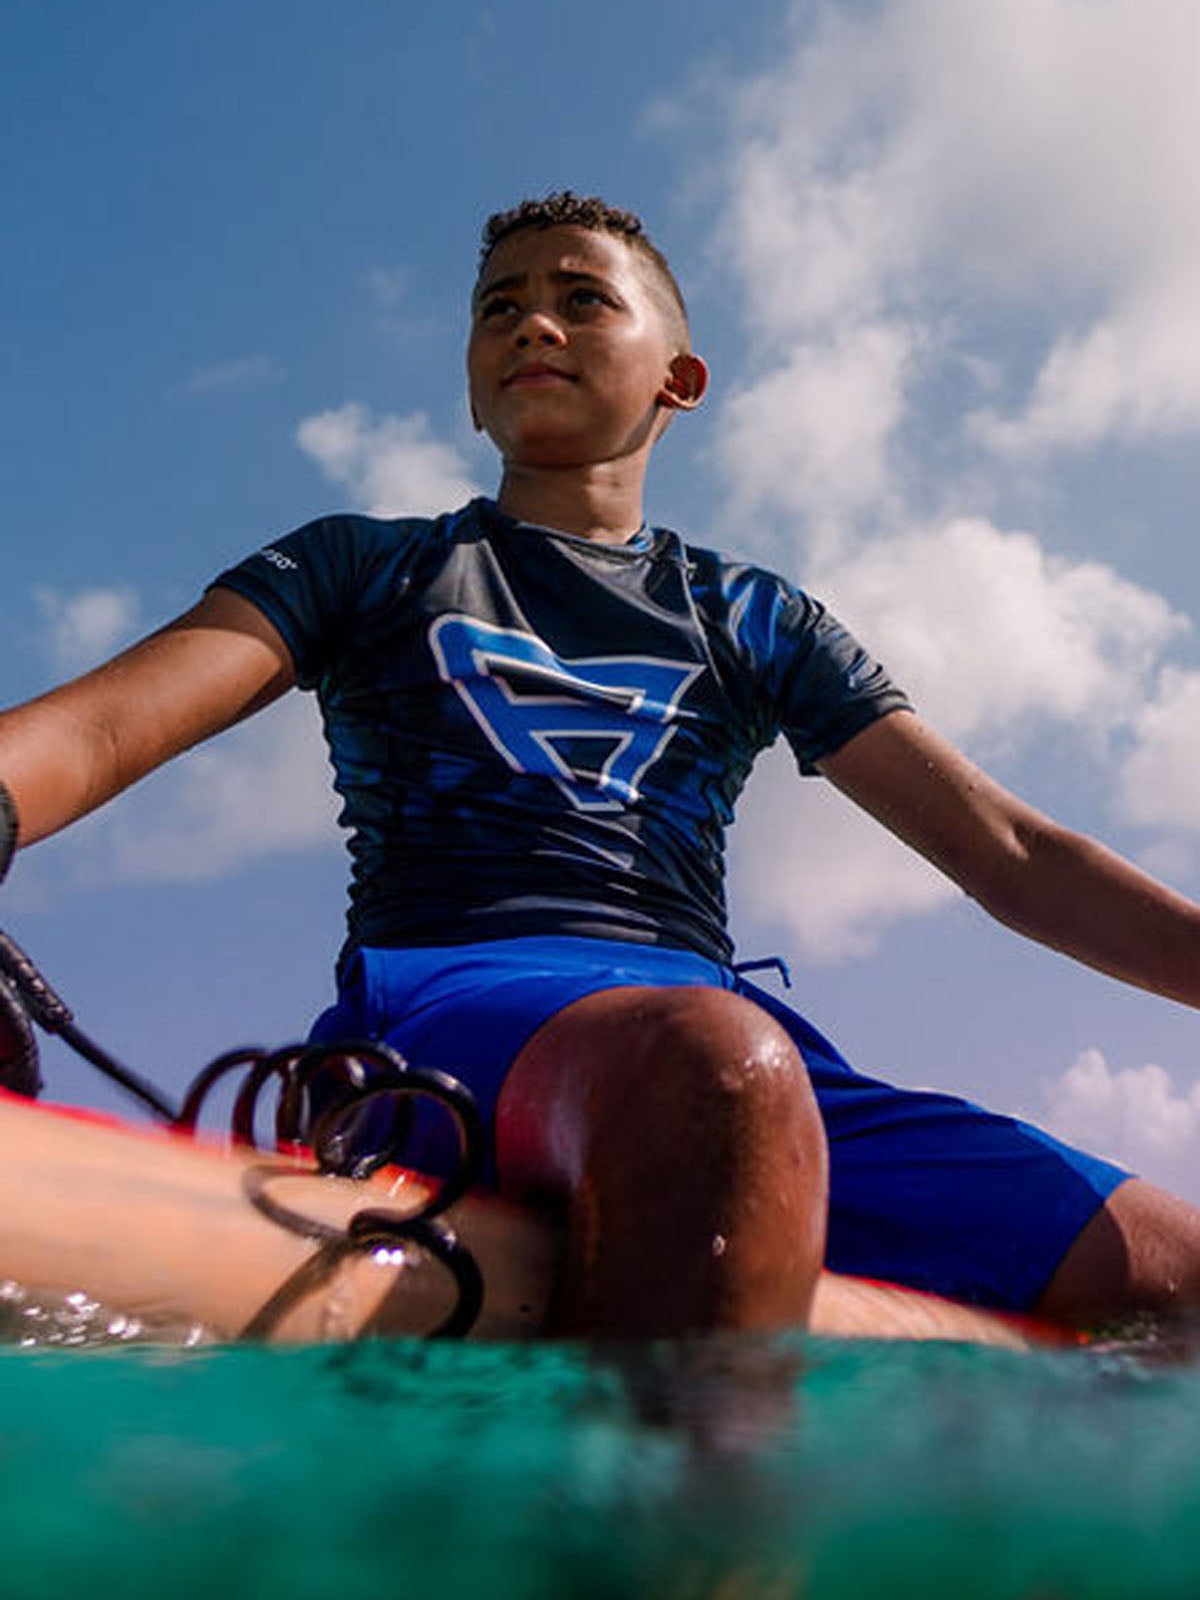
565,208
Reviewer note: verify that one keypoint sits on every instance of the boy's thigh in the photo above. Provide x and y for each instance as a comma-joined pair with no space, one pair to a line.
935,1192
470,1009
925,1188
1140,1253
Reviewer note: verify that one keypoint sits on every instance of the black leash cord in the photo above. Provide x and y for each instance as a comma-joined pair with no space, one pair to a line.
367,1232
369,1092
40,1002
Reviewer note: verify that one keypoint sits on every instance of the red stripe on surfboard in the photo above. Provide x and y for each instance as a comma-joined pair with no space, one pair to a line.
1038,1330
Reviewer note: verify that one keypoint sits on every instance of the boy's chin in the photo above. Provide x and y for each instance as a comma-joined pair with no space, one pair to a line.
549,451
558,455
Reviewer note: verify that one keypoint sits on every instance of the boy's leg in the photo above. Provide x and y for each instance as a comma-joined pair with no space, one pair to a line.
677,1130
939,1194
1140,1252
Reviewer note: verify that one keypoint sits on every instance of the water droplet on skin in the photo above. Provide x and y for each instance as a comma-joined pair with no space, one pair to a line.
390,1256
718,1244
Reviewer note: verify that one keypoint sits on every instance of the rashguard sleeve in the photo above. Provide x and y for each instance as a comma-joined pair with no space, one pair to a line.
832,690
822,686
311,584
301,583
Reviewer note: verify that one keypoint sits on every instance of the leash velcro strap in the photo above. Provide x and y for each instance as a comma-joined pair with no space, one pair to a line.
18,1048
8,830
39,999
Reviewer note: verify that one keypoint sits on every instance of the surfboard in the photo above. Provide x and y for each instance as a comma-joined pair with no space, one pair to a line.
182,1231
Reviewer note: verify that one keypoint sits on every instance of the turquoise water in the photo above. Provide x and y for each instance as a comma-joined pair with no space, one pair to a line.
812,1468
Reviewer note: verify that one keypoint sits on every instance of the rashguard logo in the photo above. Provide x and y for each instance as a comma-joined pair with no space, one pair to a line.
593,725
278,559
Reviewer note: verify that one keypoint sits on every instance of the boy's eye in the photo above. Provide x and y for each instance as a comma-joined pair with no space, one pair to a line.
580,297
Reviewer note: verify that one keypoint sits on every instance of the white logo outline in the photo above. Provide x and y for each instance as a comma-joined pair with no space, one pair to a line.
488,646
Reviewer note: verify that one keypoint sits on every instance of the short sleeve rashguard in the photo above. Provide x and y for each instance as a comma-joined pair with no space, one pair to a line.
537,734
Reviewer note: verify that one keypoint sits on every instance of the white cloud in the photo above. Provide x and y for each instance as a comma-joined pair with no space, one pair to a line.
390,287
266,786
1136,1116
1160,776
812,438
993,636
932,169
83,627
392,466
997,643
235,374
262,788
958,232
815,867
1131,374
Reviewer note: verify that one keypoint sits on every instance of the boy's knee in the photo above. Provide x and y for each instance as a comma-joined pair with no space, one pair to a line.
705,1063
660,1077
718,1040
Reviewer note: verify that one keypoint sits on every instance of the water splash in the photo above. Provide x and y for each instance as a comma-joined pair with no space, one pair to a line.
38,1319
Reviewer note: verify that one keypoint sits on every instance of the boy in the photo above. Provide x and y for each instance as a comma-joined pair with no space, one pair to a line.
540,713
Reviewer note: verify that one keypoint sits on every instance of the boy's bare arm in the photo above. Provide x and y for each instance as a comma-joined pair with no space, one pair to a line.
68,751
1059,887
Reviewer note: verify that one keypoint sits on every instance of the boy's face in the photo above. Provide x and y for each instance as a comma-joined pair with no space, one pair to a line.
572,358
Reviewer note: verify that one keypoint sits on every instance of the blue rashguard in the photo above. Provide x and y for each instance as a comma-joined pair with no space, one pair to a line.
534,733
539,741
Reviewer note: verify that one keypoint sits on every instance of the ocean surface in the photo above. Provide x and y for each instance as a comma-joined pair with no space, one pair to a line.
736,1470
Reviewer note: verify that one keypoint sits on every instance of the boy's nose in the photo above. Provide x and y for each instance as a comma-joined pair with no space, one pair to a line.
538,327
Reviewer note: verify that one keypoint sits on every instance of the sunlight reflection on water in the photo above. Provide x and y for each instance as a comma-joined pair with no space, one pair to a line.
36,1320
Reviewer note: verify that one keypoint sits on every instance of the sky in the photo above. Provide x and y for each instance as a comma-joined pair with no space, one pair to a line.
942,259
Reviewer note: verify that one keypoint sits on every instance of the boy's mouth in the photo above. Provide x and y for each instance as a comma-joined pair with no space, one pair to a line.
536,373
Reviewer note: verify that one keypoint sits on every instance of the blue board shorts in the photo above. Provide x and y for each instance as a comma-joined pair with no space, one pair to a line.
926,1189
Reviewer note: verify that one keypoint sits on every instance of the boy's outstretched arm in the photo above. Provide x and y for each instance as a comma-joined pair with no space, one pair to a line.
68,751
1059,887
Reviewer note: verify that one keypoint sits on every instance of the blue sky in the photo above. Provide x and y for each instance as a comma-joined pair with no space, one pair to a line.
943,261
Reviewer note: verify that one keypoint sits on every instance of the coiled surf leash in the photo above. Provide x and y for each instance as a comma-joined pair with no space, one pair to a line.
351,1104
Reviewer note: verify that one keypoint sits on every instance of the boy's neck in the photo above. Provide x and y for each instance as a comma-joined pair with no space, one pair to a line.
590,503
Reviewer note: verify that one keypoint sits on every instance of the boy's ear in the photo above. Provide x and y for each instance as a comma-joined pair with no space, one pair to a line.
686,382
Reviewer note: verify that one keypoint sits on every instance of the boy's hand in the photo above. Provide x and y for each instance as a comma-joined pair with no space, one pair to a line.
18,1048
8,831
